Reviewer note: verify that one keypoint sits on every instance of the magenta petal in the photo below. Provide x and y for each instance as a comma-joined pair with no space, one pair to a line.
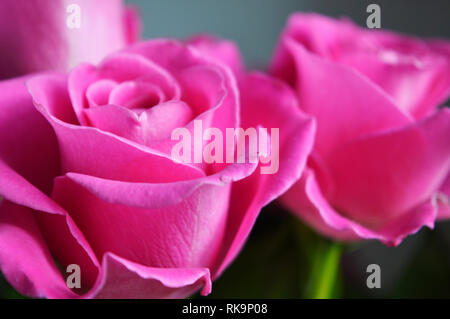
317,33
17,189
345,104
306,200
98,93
410,70
24,257
148,127
69,243
222,50
27,142
158,195
133,95
160,120
125,279
117,120
380,177
49,90
184,233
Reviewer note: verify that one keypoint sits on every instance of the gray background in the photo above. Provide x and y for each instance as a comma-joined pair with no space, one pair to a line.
255,24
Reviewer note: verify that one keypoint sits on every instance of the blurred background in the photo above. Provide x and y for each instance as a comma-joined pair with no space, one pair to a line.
255,24
276,261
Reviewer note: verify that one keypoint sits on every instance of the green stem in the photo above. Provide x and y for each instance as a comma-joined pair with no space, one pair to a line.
324,270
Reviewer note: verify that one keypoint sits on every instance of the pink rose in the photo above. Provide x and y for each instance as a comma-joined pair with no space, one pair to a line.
380,164
39,35
87,176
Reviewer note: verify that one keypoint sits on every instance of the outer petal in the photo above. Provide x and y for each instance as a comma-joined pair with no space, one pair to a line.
26,262
345,104
158,195
62,235
27,142
29,161
268,103
380,177
122,278
105,26
222,50
318,34
306,199
69,246
401,65
189,215
24,257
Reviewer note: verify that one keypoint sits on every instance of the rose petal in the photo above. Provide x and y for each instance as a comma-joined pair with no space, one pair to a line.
125,279
24,257
69,244
160,120
117,120
97,93
401,65
349,105
27,143
147,128
380,177
317,33
187,234
307,200
134,95
161,194
222,50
